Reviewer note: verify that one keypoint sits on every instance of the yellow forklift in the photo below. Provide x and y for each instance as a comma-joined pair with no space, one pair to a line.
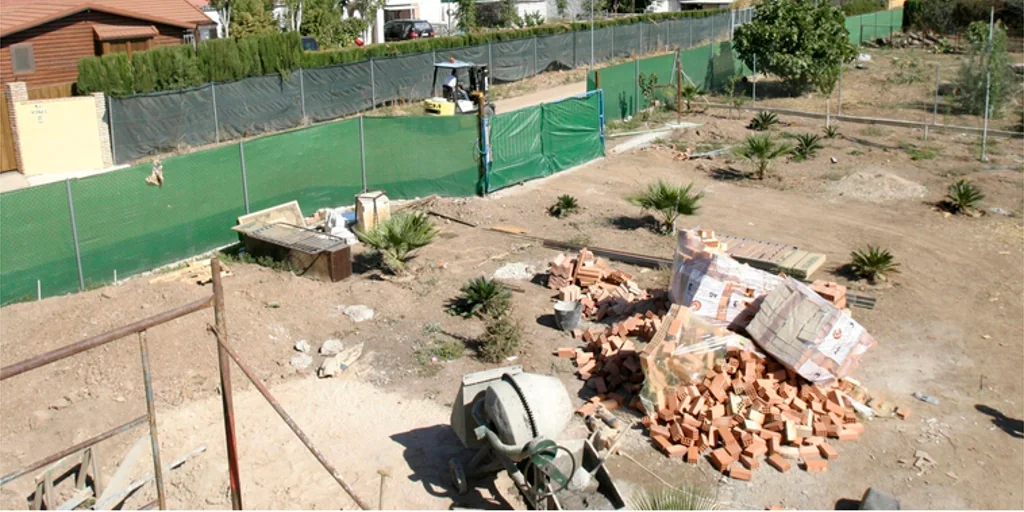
455,97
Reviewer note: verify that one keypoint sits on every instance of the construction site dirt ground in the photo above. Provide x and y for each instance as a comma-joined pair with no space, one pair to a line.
950,325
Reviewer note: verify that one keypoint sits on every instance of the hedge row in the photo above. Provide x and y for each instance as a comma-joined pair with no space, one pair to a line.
356,54
178,67
220,60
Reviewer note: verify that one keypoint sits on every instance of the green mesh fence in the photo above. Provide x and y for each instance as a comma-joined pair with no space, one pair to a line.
411,157
36,243
619,83
129,226
539,141
318,166
875,25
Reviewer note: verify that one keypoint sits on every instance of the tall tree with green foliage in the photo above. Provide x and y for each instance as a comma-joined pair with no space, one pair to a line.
223,8
986,64
252,18
321,19
467,15
219,61
508,13
368,11
799,41
294,9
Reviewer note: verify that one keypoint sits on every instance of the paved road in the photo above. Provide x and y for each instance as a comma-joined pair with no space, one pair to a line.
543,96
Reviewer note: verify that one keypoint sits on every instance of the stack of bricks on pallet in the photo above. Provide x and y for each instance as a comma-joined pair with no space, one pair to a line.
747,407
602,290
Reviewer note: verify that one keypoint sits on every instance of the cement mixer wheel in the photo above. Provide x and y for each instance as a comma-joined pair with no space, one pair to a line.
458,476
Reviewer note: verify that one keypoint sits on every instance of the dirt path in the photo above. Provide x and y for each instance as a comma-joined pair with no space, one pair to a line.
544,96
952,316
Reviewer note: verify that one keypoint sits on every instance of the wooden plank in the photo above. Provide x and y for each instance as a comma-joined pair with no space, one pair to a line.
8,161
123,470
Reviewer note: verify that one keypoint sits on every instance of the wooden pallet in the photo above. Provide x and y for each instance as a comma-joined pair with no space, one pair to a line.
773,256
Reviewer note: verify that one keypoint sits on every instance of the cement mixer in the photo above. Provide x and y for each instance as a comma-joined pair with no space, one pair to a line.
513,420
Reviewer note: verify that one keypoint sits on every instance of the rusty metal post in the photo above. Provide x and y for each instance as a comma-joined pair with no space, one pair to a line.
154,441
262,388
225,385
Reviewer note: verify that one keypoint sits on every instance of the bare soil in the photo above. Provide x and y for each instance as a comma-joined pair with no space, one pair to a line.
951,325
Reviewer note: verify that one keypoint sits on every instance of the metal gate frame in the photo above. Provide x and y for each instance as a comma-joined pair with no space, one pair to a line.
225,353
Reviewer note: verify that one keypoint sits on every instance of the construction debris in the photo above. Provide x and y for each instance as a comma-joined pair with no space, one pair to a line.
358,313
339,363
300,361
197,272
331,347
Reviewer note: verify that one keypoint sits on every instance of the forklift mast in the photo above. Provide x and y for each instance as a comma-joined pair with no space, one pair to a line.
479,79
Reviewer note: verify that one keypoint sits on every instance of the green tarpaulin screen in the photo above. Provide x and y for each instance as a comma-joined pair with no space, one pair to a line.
410,157
36,243
542,140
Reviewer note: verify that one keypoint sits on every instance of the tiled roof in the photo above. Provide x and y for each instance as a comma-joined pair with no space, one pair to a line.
18,15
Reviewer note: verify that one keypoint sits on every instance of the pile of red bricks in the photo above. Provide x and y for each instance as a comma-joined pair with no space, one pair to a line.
609,362
747,408
831,291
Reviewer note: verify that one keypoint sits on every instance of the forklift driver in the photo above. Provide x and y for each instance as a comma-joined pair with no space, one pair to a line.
452,89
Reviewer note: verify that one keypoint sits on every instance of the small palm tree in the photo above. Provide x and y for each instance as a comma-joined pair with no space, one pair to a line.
691,93
763,121
689,498
807,145
669,201
398,237
831,131
481,297
565,205
964,196
761,150
873,263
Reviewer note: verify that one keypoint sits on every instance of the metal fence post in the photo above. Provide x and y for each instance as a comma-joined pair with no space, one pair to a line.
74,236
988,82
935,106
839,100
216,123
689,23
226,395
302,96
753,82
612,28
643,50
362,150
636,85
154,442
245,177
490,61
713,35
536,71
373,87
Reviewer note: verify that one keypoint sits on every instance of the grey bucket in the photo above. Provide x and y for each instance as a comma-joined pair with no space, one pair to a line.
567,314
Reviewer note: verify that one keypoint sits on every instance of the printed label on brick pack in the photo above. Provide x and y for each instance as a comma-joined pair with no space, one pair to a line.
841,339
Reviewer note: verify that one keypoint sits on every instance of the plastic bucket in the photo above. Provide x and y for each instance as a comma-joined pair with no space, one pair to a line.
567,314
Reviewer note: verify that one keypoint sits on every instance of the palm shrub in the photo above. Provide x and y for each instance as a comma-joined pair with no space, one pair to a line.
396,238
964,196
761,150
764,120
831,131
481,297
565,205
807,145
691,93
687,498
873,263
668,201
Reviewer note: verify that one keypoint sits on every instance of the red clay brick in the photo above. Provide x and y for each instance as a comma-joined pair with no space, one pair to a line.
749,462
903,412
693,454
776,461
721,459
740,473
816,465
827,451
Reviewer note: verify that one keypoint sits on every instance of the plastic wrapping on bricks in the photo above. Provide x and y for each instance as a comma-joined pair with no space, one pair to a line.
200,197
37,243
148,124
337,91
258,104
439,155
318,166
407,77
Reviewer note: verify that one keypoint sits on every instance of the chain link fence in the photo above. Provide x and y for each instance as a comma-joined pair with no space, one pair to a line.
82,233
151,124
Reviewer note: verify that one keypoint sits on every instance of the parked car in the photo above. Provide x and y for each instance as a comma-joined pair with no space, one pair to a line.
309,44
401,30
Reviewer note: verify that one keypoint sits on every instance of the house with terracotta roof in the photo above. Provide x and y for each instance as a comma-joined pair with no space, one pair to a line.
41,41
